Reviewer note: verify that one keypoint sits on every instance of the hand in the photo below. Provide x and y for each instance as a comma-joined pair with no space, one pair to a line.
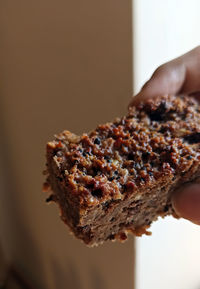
181,75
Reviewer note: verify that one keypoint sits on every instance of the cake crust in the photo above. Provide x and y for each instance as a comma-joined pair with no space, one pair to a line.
119,178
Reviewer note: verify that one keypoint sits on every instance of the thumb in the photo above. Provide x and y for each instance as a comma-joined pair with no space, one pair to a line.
186,203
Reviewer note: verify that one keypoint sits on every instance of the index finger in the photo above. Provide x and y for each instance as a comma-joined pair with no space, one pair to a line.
181,75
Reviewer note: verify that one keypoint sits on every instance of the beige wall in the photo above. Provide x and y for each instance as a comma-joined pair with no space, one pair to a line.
64,65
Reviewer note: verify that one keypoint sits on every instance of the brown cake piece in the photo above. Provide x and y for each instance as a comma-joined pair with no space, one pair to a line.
119,178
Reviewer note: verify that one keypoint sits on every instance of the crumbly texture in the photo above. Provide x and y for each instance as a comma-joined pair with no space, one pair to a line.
119,178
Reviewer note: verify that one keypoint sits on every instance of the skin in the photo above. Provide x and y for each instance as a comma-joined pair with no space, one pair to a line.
181,75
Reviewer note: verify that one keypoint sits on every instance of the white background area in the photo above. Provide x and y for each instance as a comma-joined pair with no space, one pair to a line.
170,258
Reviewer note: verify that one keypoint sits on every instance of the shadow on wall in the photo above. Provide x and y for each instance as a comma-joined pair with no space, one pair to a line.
97,279
16,237
96,268
65,276
70,276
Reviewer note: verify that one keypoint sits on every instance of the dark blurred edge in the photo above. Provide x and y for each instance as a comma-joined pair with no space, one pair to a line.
14,280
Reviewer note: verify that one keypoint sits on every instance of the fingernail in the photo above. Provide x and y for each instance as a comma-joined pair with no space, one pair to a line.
186,203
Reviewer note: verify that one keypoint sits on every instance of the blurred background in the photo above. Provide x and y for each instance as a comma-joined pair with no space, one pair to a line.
71,65
64,65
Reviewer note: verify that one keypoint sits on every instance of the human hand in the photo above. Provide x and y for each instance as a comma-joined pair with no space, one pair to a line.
181,75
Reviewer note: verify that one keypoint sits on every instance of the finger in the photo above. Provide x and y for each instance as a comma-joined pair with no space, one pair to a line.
180,75
186,203
167,79
192,79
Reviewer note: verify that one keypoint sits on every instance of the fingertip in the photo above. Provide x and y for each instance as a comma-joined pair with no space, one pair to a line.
186,203
152,88
144,93
135,99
